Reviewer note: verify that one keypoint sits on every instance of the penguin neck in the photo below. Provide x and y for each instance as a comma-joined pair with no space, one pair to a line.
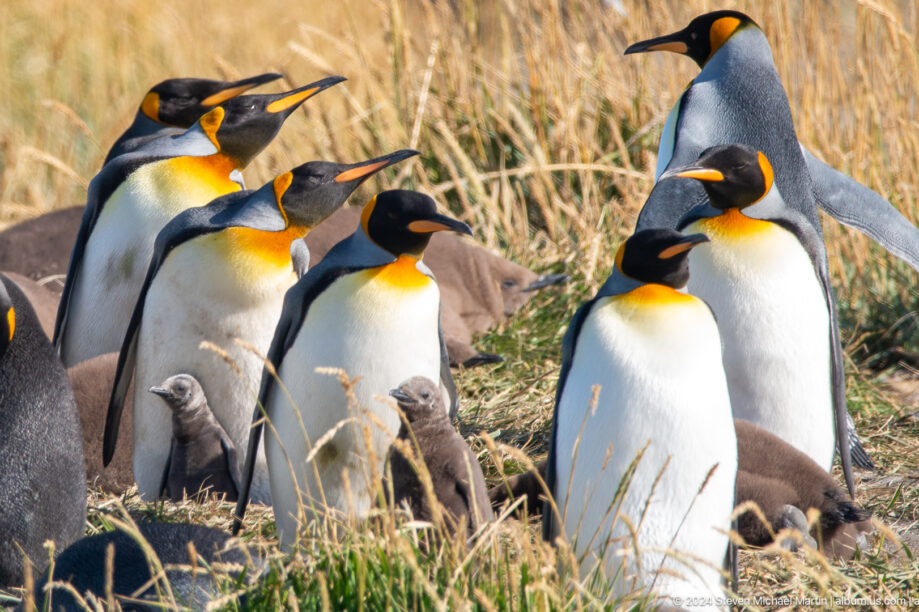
143,126
748,46
187,424
618,284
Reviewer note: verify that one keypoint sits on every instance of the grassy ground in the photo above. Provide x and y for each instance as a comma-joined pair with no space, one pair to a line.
539,133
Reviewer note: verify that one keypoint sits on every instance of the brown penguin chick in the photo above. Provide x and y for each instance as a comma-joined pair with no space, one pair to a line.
774,474
478,289
92,386
526,485
40,247
459,484
202,457
44,302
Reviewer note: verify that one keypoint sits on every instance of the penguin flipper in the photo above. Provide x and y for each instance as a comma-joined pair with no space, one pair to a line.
446,376
163,489
550,526
232,459
857,206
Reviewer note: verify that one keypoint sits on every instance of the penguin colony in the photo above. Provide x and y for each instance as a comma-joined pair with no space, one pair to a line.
718,308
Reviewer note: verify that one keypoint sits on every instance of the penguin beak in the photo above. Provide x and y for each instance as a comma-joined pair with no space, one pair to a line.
546,280
671,42
161,391
239,87
400,396
288,101
439,223
682,246
363,170
701,173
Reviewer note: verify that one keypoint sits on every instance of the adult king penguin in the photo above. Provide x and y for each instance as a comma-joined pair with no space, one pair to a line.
135,195
642,381
371,308
175,104
738,98
220,272
761,276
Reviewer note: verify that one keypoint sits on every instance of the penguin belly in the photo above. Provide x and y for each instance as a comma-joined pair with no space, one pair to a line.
773,317
203,293
372,328
119,249
662,389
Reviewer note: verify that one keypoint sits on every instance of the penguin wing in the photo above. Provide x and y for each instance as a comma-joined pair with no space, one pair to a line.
550,528
241,208
813,244
100,190
232,459
857,206
352,254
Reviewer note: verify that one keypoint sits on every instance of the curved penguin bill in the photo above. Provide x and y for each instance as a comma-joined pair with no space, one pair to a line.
742,82
726,173
658,255
359,251
239,130
303,198
175,104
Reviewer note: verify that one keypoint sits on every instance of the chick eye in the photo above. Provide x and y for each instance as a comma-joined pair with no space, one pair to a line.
425,395
509,283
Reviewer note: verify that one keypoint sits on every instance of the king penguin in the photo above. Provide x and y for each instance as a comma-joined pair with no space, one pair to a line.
760,275
642,382
738,98
135,195
372,309
175,104
219,273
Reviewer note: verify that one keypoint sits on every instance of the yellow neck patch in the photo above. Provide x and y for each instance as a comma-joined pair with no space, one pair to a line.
652,294
211,172
402,273
270,248
210,123
151,106
11,321
720,32
732,224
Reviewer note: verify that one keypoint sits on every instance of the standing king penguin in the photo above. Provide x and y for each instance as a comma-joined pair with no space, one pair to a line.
738,98
220,272
174,105
42,479
760,275
135,195
655,353
371,308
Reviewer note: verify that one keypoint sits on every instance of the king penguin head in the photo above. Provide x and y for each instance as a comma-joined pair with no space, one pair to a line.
734,176
181,102
701,39
657,256
7,320
402,221
311,192
242,126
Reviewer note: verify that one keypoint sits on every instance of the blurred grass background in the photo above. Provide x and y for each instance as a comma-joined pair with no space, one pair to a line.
536,130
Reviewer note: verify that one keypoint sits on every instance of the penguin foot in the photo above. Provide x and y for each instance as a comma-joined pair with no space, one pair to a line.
482,359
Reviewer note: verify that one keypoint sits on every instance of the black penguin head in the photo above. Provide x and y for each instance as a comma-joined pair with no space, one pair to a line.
658,256
402,221
181,392
311,192
181,102
242,126
419,398
701,39
734,176
7,319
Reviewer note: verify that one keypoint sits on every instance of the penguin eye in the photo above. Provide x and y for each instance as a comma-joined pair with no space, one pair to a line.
693,35
425,395
509,283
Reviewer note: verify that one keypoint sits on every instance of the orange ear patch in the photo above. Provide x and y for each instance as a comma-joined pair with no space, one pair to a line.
722,30
151,106
281,184
11,321
768,175
210,123
365,214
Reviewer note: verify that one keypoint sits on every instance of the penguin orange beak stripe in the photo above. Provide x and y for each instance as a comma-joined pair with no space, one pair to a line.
684,245
670,42
702,174
361,171
286,102
226,94
673,47
439,224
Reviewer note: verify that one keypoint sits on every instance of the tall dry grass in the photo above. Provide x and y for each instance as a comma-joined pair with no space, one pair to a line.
536,130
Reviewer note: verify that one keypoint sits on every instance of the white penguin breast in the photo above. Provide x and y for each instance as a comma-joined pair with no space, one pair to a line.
378,333
773,317
662,385
201,295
